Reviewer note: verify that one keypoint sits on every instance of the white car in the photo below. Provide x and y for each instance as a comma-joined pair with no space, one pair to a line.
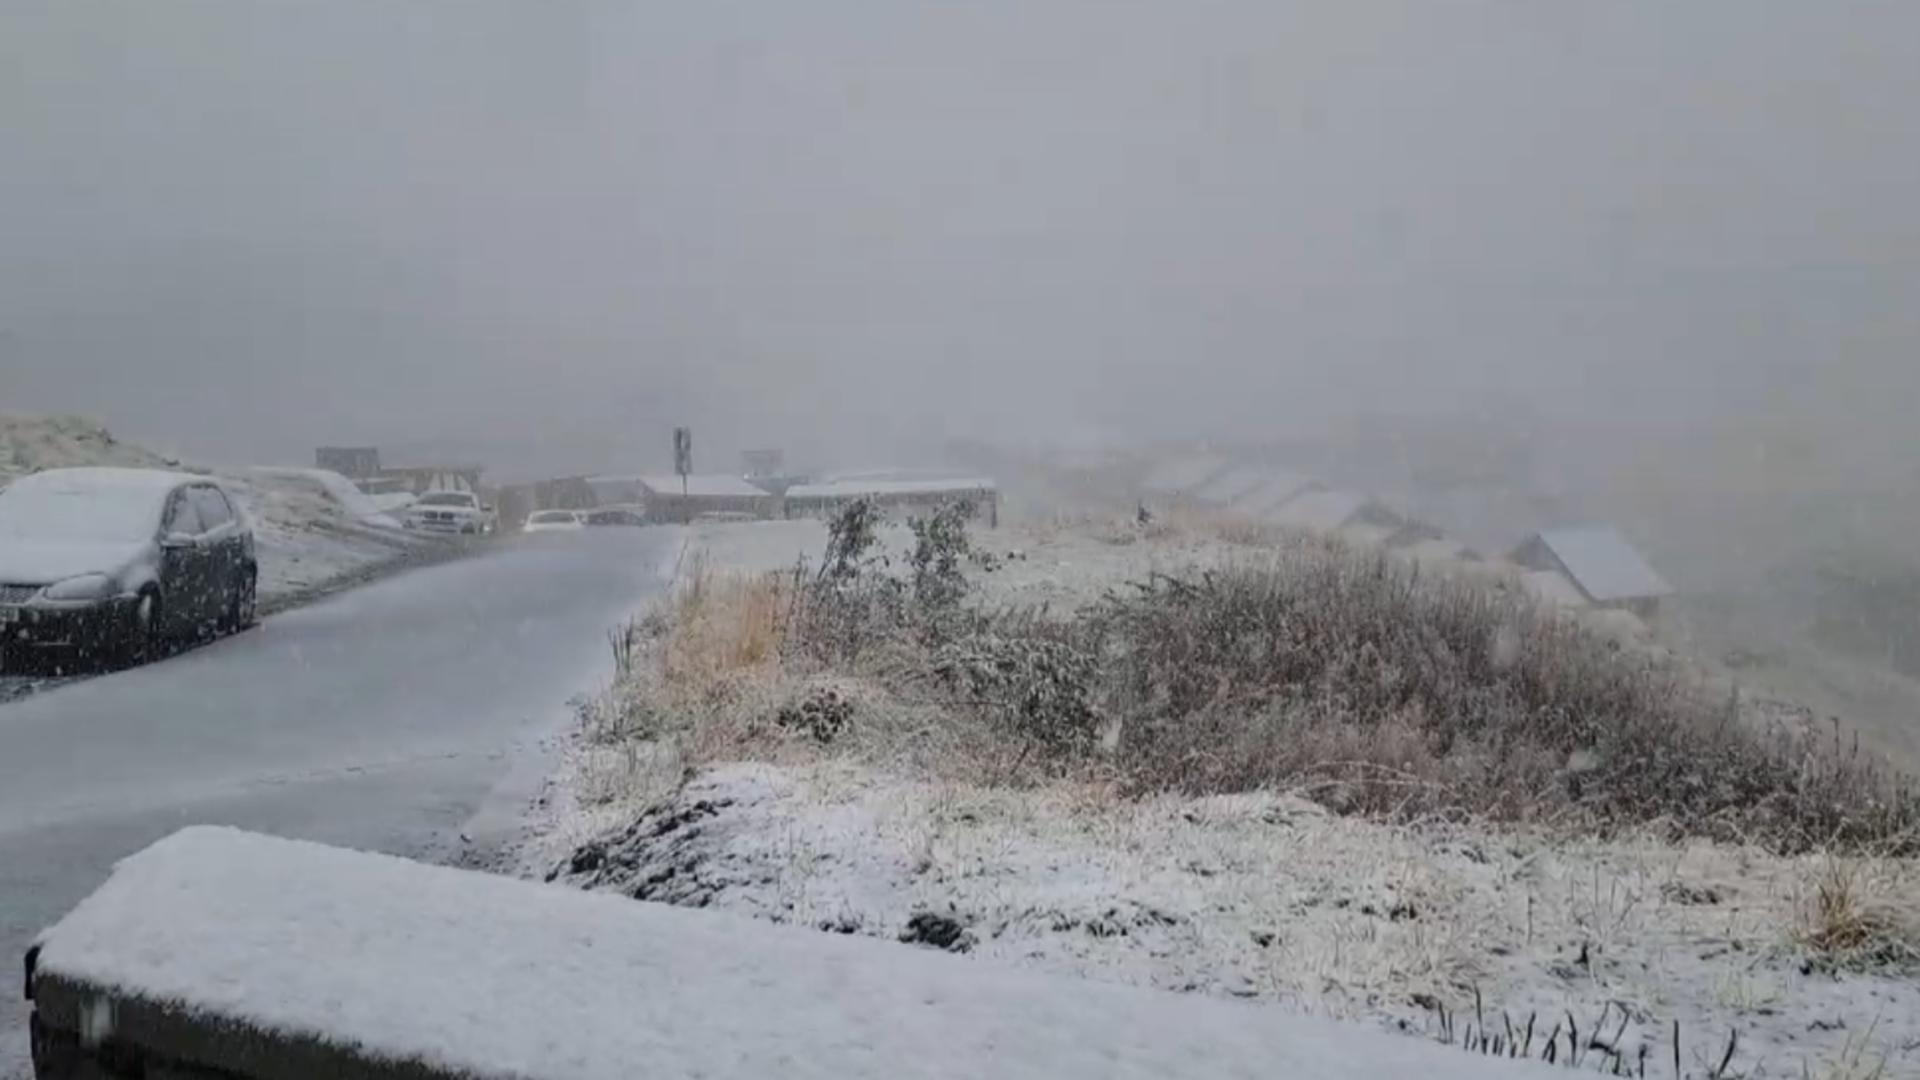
452,512
553,521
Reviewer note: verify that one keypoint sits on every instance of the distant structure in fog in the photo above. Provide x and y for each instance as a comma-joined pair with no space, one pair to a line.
675,498
421,479
764,464
827,499
1600,563
1183,476
361,464
352,462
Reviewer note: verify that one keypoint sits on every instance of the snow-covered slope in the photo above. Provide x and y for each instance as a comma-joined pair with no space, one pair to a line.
32,443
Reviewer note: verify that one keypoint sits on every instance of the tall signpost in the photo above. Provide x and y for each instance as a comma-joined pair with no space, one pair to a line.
683,464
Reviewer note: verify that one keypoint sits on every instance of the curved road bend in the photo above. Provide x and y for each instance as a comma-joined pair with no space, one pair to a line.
384,718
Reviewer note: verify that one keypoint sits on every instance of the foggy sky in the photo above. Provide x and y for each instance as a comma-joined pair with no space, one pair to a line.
550,230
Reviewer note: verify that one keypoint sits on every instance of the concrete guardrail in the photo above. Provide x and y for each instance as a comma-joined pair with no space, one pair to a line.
220,953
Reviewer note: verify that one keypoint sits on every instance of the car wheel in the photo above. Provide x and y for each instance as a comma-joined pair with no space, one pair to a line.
244,609
146,631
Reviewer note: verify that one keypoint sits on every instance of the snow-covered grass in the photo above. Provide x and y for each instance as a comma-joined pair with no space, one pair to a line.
1268,897
854,800
290,952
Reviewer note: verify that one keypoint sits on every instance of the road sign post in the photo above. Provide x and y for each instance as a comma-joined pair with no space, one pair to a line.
683,464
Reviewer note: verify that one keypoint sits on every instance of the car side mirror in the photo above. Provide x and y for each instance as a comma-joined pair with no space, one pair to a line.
176,541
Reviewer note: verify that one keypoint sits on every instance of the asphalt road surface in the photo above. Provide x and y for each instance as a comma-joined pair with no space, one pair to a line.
391,718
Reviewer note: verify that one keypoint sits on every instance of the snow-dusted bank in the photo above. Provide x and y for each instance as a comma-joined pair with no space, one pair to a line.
315,530
220,952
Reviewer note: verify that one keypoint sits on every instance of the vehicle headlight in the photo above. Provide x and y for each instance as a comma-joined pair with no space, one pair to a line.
84,587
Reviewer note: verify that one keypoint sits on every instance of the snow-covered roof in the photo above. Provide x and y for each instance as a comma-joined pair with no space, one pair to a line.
853,489
1322,510
1231,485
711,486
1276,487
1183,474
427,969
1604,565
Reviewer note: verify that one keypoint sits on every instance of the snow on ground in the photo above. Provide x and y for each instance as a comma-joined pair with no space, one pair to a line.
31,443
1263,897
356,503
310,537
482,976
1270,898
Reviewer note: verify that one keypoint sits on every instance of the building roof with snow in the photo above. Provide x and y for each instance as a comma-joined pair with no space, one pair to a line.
709,486
1597,559
880,489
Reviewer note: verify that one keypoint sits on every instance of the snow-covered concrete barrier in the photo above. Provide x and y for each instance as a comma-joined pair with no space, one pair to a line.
221,953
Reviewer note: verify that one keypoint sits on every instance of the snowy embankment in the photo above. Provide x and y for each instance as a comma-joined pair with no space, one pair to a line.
247,955
315,531
793,804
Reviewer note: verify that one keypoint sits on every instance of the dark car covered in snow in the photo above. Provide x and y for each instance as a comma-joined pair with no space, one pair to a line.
120,562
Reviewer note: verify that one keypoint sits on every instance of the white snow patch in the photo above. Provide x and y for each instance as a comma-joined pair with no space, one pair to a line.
495,977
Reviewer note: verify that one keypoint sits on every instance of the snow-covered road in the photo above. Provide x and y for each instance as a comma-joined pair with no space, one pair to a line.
393,718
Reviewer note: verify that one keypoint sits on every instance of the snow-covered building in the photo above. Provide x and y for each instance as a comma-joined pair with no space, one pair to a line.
829,497
674,498
1600,563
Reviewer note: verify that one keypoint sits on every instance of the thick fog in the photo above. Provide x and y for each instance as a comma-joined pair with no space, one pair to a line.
541,233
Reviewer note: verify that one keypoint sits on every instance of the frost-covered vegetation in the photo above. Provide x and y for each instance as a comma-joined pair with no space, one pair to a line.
1262,766
1356,679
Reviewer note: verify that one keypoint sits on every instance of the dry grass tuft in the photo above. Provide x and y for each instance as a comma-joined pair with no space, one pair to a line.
1856,1060
1850,914
718,627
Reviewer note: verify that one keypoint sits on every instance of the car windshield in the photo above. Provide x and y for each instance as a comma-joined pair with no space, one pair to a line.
78,514
446,499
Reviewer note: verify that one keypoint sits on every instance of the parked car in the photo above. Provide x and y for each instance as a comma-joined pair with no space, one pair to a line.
615,515
120,562
452,512
553,521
